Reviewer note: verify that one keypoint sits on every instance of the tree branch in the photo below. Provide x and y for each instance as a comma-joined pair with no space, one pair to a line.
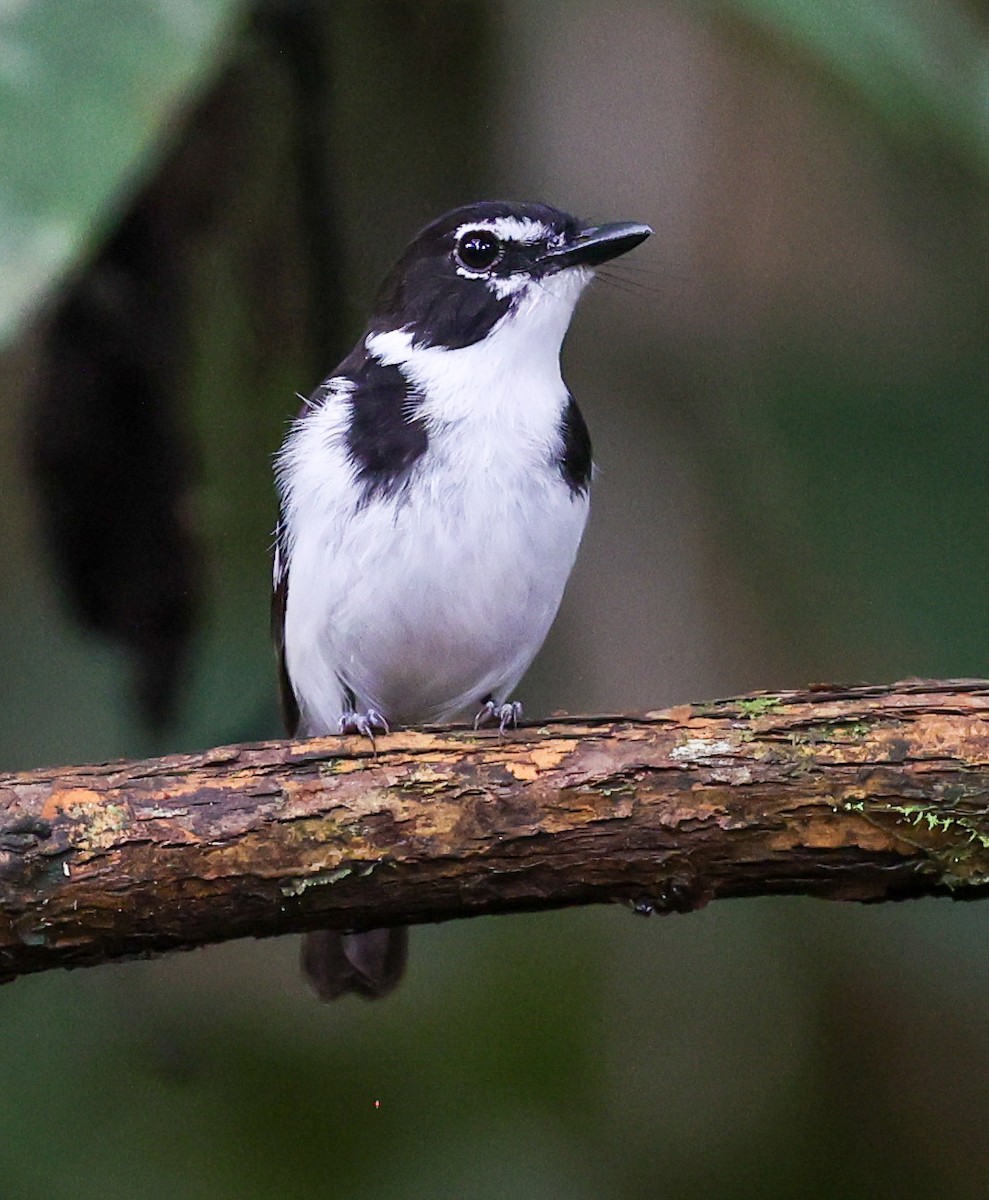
872,793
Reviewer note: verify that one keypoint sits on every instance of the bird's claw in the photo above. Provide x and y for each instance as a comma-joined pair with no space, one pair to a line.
505,714
364,723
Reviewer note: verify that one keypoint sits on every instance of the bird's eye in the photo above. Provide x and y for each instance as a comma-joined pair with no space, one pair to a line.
478,250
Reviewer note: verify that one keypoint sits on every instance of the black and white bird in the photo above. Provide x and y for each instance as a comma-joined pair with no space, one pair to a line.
433,494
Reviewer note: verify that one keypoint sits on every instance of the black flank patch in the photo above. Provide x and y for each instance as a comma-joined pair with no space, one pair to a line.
575,453
386,437
279,599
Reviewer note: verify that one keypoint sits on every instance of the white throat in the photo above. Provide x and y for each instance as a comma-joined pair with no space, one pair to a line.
512,375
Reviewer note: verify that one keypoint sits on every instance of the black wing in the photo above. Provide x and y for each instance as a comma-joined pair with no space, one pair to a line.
279,598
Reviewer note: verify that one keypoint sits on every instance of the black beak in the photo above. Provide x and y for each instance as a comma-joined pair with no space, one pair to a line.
595,245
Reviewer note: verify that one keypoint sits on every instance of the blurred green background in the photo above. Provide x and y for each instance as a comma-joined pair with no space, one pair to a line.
787,390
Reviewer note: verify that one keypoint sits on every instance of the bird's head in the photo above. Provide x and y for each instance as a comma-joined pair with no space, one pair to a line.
484,263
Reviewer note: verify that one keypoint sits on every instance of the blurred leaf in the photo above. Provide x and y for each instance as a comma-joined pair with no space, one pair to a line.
923,69
87,89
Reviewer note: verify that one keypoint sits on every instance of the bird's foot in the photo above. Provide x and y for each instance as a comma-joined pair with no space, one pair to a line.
364,723
505,714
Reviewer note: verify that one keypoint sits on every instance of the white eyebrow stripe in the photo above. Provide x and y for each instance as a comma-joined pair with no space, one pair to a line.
509,229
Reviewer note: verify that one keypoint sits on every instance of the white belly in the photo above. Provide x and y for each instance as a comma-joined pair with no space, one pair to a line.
426,607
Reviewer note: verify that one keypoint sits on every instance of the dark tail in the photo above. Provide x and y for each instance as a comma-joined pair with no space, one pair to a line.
368,964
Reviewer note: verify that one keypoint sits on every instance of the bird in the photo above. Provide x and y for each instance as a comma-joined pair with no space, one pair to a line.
433,492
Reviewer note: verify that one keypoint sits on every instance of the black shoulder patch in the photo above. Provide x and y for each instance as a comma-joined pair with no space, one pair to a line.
279,598
385,437
575,449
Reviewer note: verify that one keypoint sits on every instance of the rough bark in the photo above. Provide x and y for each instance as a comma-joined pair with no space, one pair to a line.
872,793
